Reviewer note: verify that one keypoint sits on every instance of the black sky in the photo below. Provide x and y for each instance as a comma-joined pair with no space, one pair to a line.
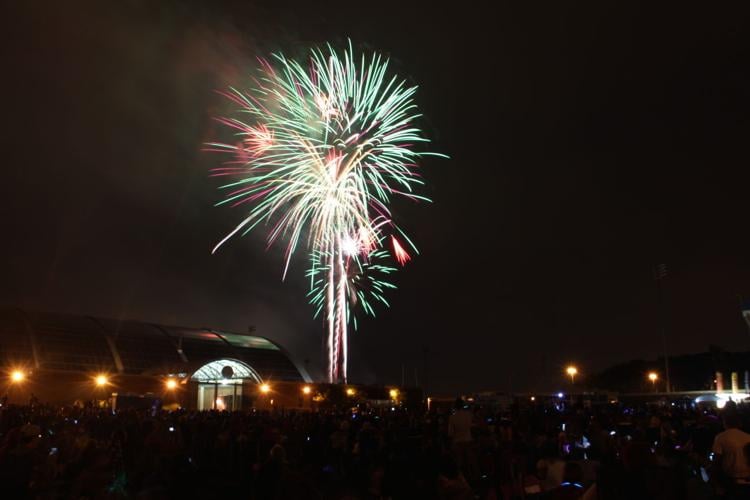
587,144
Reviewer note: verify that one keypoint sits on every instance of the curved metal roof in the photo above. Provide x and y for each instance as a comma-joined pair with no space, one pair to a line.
83,343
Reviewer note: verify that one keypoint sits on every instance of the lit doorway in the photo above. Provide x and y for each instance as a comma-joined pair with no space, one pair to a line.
220,397
220,384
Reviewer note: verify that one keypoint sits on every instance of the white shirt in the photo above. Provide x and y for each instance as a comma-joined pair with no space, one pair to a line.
730,445
459,426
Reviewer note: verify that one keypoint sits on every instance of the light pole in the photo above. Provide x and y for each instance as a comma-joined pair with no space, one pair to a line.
306,391
572,371
653,377
394,393
660,272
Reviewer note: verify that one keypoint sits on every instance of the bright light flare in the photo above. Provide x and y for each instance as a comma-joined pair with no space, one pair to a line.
349,246
393,393
325,106
653,376
17,376
171,384
265,388
350,391
306,389
101,380
367,240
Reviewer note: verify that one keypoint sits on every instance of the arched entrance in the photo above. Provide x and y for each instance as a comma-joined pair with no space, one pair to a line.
220,384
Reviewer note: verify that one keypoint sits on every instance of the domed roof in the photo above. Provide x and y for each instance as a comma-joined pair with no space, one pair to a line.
85,343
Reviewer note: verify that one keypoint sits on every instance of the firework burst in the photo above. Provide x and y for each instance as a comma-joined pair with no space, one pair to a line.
321,150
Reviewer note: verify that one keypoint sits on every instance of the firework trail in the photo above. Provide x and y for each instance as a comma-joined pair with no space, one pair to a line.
321,150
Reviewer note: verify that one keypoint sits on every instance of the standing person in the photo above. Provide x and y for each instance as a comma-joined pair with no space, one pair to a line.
729,448
459,430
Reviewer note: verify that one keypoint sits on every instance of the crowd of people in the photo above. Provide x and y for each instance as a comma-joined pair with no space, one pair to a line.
611,452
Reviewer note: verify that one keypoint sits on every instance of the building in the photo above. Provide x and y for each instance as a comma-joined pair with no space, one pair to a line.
63,358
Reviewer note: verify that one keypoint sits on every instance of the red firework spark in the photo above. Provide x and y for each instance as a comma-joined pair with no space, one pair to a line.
401,255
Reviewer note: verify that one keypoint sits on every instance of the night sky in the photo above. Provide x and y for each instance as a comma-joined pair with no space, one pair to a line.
587,144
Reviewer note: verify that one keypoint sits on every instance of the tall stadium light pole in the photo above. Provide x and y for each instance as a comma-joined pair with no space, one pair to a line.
660,272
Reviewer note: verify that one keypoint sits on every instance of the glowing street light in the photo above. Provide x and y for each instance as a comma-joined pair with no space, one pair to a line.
653,377
265,388
306,390
101,380
393,393
171,384
351,392
572,371
17,376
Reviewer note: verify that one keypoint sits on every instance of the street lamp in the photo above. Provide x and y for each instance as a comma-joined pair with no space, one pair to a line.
101,380
17,376
265,388
350,391
572,371
171,384
306,390
653,377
